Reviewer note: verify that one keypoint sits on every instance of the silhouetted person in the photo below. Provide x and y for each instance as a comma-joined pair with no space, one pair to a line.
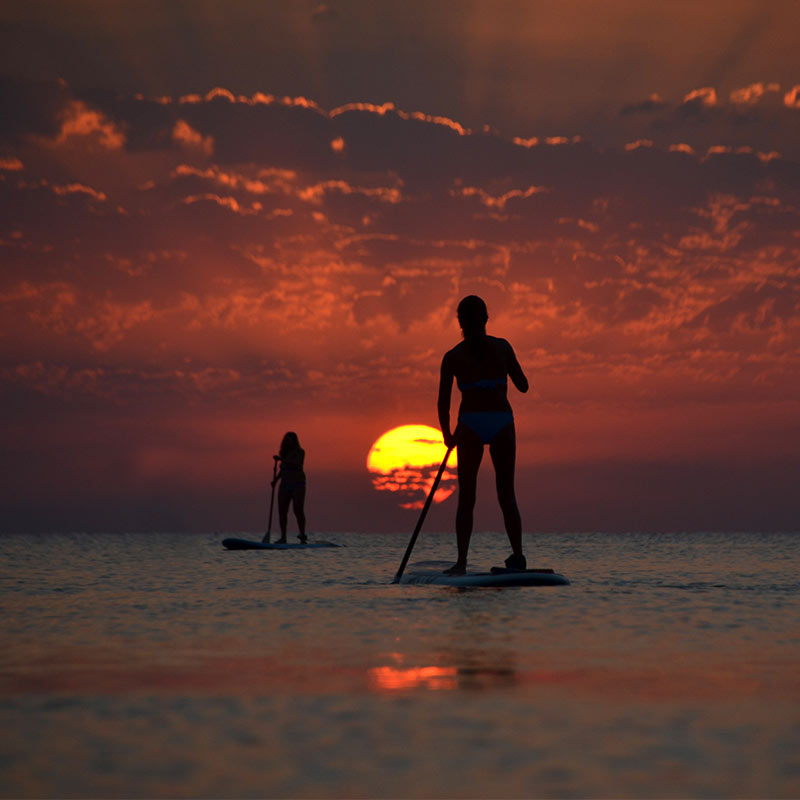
481,365
292,484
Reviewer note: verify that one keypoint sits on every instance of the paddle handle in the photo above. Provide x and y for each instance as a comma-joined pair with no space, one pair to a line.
422,516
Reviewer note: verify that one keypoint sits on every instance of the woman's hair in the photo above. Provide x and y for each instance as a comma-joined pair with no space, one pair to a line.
289,443
472,316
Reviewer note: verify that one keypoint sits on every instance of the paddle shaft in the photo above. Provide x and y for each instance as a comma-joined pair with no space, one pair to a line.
271,501
425,508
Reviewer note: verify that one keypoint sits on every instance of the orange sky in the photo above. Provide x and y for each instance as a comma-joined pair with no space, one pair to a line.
223,222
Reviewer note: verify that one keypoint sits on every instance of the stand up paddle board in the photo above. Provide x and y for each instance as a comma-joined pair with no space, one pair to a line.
248,544
498,577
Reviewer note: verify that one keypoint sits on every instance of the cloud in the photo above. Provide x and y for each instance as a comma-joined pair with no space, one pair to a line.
792,98
79,188
707,97
639,143
500,201
216,255
11,164
192,140
30,108
653,103
79,120
749,95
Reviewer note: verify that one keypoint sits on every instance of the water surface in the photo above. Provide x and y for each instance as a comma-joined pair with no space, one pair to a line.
149,665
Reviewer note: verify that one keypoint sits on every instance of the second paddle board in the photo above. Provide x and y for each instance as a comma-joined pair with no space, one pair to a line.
248,544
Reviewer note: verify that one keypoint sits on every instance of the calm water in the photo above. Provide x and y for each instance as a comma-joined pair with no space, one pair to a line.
162,665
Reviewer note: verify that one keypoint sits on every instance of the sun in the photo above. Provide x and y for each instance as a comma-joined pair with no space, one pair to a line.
405,460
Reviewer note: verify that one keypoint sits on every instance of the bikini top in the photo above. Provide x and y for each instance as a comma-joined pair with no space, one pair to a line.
484,383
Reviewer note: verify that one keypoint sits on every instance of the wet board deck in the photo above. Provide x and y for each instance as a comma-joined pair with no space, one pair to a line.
498,577
248,544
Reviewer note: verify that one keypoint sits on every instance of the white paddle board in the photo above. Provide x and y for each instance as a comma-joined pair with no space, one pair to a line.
498,577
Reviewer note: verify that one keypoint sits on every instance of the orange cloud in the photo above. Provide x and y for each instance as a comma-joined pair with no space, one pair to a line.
639,143
11,164
80,120
792,98
188,137
387,108
267,181
707,96
500,201
276,181
751,94
303,102
79,188
532,141
231,203
257,98
315,193
111,321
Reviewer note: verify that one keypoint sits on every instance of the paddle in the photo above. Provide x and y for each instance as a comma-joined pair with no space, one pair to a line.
422,517
272,499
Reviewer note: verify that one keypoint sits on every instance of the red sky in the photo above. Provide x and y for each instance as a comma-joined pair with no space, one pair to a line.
224,221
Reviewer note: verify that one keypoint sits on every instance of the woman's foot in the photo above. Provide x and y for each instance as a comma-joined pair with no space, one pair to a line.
516,561
457,569
282,540
303,538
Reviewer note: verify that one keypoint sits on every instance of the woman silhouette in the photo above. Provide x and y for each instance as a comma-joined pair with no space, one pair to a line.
293,484
481,365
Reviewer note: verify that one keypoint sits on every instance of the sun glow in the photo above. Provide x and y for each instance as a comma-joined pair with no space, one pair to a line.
406,459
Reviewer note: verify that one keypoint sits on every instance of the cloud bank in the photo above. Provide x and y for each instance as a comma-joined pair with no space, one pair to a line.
215,268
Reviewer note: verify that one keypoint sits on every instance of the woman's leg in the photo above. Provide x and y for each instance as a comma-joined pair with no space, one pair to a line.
470,453
503,450
298,503
284,498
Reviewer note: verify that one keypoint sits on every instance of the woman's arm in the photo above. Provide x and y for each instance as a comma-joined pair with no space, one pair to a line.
515,371
277,475
443,403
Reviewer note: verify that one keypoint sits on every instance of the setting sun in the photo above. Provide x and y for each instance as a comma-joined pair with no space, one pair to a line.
405,460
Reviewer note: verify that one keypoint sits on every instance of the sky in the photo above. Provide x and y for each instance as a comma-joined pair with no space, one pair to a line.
223,221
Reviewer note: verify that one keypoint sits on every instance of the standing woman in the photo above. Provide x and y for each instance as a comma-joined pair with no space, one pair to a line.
293,485
481,365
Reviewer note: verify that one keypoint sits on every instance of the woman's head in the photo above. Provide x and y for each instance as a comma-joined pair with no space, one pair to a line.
472,316
290,442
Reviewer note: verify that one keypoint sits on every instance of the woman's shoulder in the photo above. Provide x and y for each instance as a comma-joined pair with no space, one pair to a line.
501,344
453,354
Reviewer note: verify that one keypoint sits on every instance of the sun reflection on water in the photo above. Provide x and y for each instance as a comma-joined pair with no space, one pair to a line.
394,678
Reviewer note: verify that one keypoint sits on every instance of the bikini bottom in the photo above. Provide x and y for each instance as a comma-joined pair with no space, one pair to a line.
485,424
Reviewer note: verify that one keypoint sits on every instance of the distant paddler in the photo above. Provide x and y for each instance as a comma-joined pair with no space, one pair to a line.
292,489
481,366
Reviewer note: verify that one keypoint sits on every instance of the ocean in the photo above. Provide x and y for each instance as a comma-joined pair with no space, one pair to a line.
162,665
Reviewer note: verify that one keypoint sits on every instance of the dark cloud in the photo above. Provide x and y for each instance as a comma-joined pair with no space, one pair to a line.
29,108
646,106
